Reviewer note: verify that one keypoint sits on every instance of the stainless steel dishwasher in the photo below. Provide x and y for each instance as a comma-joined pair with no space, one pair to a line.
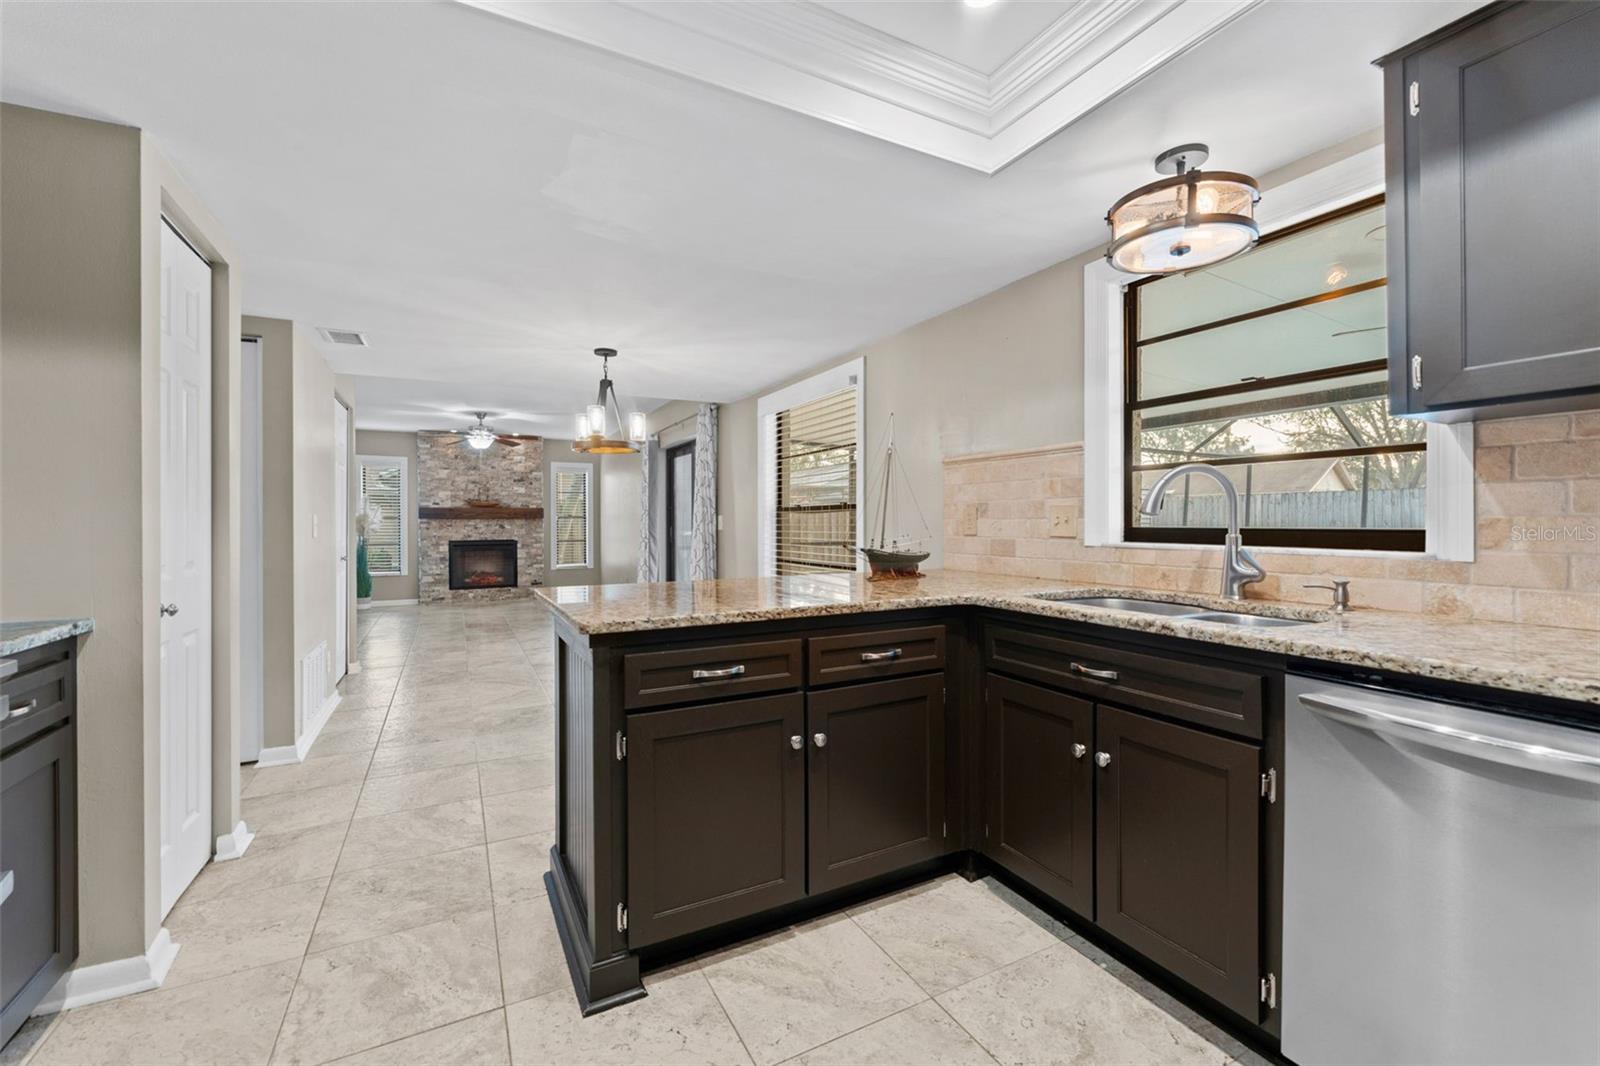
1441,882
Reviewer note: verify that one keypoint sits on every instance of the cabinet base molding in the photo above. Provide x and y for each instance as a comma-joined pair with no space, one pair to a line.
231,845
601,984
84,985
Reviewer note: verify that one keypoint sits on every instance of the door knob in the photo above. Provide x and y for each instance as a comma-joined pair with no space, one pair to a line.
1078,751
169,610
797,742
1102,758
819,739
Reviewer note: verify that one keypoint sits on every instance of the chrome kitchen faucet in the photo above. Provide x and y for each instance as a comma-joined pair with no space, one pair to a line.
1239,567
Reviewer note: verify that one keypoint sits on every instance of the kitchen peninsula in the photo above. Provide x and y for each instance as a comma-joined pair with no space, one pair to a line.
738,754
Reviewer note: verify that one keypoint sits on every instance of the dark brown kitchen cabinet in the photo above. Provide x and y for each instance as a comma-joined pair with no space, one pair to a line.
1039,813
1493,235
716,814
877,783
38,828
1178,851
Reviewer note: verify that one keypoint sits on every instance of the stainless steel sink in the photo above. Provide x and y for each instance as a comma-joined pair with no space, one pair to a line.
1127,603
1249,621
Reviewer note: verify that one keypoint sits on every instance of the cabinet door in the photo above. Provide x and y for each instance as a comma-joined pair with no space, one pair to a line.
38,867
1504,227
716,814
876,756
1178,850
1039,813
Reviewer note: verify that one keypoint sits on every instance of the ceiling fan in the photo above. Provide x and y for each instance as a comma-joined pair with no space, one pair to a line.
480,436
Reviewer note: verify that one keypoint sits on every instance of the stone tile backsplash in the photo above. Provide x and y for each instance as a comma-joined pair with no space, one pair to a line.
1538,533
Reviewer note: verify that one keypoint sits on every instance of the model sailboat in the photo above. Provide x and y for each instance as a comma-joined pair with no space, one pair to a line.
890,553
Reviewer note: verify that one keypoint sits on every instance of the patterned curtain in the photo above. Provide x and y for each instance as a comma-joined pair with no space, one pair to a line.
649,559
703,548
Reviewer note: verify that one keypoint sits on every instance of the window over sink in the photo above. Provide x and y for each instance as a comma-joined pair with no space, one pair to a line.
1272,367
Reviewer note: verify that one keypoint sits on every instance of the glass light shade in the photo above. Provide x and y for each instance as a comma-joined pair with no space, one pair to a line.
480,438
580,427
597,420
636,427
1180,223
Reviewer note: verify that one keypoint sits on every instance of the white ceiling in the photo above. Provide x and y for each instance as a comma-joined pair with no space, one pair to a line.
489,202
979,38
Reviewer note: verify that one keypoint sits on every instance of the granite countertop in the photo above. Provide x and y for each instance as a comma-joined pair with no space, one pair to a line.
1540,660
16,637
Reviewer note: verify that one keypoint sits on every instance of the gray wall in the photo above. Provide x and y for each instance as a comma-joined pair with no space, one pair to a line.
560,451
378,442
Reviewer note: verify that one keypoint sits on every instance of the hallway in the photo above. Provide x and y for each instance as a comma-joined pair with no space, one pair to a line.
391,910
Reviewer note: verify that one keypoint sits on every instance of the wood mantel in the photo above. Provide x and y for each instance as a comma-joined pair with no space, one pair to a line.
490,513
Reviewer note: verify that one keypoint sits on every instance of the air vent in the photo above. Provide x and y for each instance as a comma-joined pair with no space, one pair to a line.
343,336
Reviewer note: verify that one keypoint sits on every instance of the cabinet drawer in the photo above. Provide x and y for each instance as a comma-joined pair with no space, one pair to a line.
874,653
657,678
1215,696
39,695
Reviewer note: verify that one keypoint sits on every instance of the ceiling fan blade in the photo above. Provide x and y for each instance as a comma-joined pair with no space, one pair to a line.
450,438
508,441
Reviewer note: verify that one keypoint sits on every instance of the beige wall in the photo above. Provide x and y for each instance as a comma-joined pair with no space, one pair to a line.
298,391
1002,372
80,209
1538,534
560,451
377,442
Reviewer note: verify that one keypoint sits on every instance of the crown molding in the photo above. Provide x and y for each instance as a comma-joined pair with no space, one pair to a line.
818,62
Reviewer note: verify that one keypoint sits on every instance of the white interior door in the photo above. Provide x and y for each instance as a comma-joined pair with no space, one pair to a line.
341,539
185,617
252,631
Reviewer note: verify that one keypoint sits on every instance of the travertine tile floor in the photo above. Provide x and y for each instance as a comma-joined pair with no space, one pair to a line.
391,910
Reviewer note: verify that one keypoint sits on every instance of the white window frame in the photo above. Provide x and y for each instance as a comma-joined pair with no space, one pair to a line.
404,463
826,383
587,470
1451,518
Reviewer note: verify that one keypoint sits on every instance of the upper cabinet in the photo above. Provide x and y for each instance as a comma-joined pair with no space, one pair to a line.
1493,159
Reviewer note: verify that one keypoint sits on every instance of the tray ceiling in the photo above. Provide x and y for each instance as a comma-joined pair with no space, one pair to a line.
978,87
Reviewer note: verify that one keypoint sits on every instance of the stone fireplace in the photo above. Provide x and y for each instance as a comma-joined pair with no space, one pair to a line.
480,519
483,564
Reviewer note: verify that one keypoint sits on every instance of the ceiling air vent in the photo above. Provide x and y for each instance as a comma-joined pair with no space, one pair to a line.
343,336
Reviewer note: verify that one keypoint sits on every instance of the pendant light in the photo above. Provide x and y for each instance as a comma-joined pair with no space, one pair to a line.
1192,219
593,426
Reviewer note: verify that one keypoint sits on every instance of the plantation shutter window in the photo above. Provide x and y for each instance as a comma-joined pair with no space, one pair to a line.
815,520
570,493
383,497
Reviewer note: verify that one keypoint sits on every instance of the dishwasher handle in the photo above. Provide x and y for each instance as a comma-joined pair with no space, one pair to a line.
1507,751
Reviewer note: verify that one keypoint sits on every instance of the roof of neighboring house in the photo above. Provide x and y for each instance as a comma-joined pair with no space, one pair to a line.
1294,475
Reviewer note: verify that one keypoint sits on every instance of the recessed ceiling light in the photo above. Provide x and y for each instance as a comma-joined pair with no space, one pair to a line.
979,3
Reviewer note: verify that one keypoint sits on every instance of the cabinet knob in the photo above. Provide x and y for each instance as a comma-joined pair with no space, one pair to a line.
1102,758
797,742
1078,751
819,739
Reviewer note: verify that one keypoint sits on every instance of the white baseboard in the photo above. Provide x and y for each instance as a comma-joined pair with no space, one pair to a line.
84,985
392,603
232,845
289,754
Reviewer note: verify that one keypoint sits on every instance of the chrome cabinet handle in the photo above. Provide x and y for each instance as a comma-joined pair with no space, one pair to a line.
880,656
819,739
797,742
712,675
6,881
24,709
1102,758
1089,671
169,610
1078,751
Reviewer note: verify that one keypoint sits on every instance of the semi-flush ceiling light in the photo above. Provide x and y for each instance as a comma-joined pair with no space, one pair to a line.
480,436
593,425
1189,220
